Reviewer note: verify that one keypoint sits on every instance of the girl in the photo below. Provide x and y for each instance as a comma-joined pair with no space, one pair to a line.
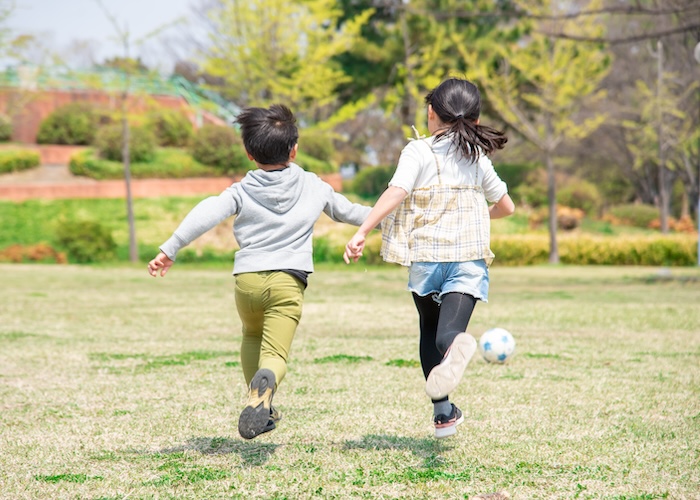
437,223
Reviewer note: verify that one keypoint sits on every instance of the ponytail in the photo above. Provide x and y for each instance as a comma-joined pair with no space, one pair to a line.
471,139
458,104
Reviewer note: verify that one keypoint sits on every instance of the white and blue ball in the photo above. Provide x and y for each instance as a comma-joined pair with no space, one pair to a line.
497,345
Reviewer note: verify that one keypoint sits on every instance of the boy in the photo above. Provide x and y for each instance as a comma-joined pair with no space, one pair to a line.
276,207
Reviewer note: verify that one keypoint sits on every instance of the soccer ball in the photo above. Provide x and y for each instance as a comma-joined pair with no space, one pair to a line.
497,345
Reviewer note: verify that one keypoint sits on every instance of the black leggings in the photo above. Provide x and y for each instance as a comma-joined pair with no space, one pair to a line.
440,324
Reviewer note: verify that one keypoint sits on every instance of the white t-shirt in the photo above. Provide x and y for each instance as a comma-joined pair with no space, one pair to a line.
416,168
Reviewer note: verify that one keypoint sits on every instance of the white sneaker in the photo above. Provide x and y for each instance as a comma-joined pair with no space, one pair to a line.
445,377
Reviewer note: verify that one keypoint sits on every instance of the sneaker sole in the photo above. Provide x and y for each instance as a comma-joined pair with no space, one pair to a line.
445,377
256,414
449,430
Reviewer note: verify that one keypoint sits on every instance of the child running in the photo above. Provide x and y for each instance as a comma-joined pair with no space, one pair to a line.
275,207
438,225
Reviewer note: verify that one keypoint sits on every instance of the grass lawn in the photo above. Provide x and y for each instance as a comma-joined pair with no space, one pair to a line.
114,385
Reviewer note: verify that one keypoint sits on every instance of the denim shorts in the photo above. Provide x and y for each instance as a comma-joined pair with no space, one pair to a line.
439,278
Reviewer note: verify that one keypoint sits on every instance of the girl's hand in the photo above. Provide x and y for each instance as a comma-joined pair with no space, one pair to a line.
162,262
353,250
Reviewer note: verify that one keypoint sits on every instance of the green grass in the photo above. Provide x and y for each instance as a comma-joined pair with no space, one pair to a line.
35,221
117,385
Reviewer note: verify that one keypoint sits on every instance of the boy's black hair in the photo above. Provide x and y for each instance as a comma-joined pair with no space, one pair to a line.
269,135
458,104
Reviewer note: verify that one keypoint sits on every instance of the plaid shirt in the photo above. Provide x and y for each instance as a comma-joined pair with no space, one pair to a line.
439,223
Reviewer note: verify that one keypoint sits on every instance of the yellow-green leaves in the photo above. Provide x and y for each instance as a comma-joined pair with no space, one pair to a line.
280,51
538,75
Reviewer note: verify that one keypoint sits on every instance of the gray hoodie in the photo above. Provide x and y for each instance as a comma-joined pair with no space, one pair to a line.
275,215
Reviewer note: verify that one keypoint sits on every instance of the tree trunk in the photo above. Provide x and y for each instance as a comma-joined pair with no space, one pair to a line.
551,190
663,189
407,113
133,248
552,197
663,198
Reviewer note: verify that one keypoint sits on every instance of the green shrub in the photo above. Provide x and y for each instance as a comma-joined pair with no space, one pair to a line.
221,148
634,214
86,241
533,190
317,145
142,143
14,160
168,163
580,194
370,182
72,124
5,128
314,165
171,127
514,174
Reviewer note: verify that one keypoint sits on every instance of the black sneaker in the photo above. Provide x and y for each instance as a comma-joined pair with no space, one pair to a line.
446,425
257,416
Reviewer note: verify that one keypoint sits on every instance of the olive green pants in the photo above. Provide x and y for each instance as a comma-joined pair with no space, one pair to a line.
269,304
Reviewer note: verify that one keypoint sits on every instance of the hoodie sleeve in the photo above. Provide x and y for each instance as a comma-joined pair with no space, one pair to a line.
203,217
340,209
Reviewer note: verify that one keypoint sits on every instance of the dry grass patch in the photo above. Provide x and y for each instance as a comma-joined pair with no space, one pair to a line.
115,385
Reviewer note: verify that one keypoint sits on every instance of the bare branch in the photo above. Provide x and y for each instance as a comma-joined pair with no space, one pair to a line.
627,39
637,10
524,14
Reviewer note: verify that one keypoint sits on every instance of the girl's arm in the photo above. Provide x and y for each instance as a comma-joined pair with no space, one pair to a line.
387,203
503,208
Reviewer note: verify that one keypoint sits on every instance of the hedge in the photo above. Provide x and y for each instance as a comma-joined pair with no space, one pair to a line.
221,148
14,160
73,124
532,249
169,163
314,165
142,143
653,250
5,128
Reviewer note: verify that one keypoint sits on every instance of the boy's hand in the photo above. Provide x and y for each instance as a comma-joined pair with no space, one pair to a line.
161,262
353,250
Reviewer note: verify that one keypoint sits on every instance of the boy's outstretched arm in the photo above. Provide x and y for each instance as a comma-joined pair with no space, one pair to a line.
161,262
387,203
203,217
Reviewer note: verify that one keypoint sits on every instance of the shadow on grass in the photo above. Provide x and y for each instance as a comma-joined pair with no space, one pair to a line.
251,453
428,449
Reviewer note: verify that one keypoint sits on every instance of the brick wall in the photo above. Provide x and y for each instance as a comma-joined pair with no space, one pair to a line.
28,108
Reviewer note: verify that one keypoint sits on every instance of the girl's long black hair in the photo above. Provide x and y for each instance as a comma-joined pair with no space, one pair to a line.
458,104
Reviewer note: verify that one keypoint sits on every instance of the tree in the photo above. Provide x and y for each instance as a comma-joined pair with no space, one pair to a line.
406,49
541,86
625,153
128,67
660,136
429,34
270,51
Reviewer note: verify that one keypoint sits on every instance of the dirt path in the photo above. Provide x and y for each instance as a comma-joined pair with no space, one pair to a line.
55,181
44,174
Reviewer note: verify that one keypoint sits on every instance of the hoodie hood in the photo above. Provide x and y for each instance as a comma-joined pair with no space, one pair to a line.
277,191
